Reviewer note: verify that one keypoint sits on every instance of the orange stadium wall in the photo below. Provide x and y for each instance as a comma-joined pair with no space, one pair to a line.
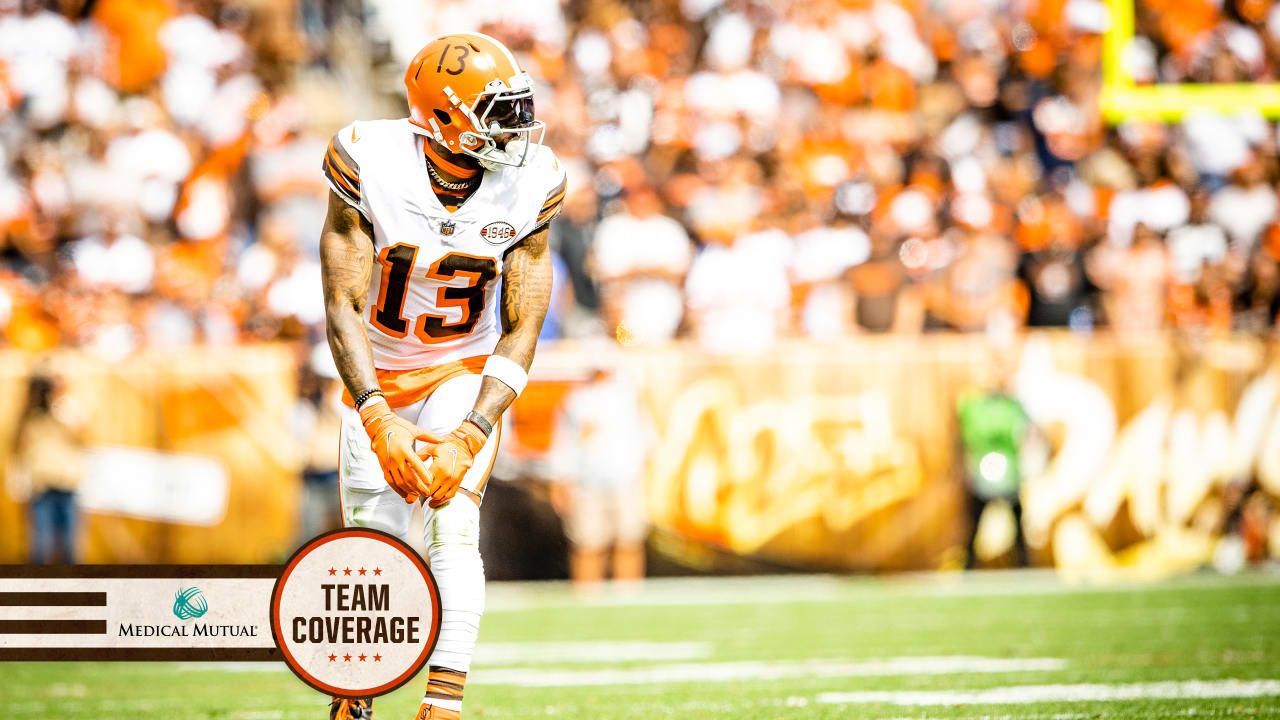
844,456
226,405
813,456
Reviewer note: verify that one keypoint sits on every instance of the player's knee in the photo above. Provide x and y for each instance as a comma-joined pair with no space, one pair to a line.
455,525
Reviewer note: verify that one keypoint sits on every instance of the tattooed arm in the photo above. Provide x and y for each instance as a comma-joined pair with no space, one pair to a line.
346,262
526,292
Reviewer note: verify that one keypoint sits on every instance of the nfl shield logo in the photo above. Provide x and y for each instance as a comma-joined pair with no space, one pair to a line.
446,227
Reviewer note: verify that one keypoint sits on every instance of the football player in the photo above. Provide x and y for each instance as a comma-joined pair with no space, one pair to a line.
426,214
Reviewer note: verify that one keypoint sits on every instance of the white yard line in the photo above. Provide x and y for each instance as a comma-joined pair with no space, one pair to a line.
757,670
1089,692
776,589
521,653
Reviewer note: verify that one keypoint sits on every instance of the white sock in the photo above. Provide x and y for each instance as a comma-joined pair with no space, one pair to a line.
453,544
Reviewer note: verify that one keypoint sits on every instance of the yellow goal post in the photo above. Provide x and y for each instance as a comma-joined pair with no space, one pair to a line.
1123,99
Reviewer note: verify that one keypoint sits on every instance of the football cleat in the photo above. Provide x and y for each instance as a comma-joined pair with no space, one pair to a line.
344,709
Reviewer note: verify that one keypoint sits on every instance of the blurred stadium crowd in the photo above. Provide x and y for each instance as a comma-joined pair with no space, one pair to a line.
739,171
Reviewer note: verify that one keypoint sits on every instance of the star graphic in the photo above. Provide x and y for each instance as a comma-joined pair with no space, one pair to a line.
377,658
346,571
362,657
332,658
377,571
347,657
361,571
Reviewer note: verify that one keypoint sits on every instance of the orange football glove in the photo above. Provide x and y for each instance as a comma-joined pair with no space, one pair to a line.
451,459
392,439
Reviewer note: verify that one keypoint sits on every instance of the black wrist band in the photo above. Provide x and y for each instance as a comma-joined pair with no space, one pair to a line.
485,426
364,396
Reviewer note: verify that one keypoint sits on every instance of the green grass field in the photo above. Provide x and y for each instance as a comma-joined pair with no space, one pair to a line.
782,647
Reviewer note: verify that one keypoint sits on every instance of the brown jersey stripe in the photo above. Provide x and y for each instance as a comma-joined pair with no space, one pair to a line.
353,167
337,178
547,215
553,202
441,670
341,189
341,170
440,696
558,193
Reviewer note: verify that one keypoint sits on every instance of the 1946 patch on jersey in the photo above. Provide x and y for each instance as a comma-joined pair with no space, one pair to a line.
498,232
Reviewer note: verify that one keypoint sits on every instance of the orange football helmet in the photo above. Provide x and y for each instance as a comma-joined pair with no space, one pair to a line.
468,93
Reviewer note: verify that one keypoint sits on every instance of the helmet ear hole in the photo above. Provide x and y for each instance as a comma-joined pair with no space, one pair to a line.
443,117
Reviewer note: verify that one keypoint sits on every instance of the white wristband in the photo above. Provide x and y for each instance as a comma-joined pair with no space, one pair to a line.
508,372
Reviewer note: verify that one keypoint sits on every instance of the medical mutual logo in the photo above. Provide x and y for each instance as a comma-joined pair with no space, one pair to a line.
189,603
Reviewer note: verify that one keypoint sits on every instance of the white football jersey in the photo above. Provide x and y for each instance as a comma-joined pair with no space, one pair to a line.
433,294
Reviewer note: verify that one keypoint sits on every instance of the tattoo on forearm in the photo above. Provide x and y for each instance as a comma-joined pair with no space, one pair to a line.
526,292
346,261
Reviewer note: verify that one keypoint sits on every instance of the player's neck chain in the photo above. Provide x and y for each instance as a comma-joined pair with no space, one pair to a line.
445,183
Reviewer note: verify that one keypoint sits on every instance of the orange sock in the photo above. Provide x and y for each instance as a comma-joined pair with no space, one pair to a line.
443,700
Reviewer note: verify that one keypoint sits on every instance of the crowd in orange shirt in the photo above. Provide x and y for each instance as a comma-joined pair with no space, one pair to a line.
739,170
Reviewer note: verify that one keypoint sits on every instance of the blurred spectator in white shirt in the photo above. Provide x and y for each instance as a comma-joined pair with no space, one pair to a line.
822,258
738,294
1246,206
196,49
1196,243
116,258
38,45
600,442
640,258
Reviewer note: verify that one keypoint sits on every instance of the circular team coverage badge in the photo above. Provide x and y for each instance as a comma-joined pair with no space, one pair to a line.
355,613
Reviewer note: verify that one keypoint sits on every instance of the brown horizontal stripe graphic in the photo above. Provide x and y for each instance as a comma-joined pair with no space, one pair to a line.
53,627
141,571
140,654
53,599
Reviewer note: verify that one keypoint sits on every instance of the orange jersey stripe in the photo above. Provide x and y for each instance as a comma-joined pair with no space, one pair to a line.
547,215
354,187
553,201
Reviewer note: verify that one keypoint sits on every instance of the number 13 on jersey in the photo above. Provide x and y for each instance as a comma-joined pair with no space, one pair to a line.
397,268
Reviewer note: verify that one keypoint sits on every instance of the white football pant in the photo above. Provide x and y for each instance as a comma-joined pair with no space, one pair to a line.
451,533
